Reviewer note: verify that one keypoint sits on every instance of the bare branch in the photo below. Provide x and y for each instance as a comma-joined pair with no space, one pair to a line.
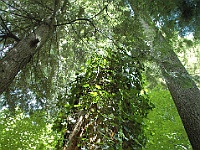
75,20
8,33
85,19
105,7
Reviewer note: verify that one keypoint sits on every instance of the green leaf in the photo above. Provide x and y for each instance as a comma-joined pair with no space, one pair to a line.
97,86
86,85
94,94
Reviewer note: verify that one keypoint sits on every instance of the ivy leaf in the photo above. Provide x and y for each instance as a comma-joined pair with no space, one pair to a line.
94,94
98,87
86,85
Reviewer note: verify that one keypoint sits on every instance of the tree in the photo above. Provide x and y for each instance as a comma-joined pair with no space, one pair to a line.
183,89
75,30
29,23
111,107
21,54
24,50
165,129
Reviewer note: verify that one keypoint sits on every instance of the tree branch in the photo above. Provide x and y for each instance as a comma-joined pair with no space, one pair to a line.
84,19
8,33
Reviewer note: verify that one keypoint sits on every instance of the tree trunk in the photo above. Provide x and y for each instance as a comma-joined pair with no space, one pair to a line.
183,89
185,94
72,141
21,54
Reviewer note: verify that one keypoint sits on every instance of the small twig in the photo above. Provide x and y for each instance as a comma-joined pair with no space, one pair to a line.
8,33
22,16
84,19
75,20
105,7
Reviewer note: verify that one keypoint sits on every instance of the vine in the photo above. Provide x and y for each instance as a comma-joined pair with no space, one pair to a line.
105,105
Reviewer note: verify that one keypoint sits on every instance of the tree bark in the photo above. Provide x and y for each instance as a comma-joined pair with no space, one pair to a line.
73,137
183,89
185,94
17,57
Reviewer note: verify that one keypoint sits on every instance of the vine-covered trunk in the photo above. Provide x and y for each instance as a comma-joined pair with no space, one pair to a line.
18,56
72,142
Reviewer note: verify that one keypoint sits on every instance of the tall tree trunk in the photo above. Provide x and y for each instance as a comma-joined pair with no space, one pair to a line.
183,89
21,54
185,94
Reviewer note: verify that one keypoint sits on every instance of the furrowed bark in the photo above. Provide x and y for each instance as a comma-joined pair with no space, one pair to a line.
183,89
185,94
17,57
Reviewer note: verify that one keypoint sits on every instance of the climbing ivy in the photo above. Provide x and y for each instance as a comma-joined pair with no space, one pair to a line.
108,93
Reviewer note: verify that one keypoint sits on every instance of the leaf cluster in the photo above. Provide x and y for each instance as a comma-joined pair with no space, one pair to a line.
22,131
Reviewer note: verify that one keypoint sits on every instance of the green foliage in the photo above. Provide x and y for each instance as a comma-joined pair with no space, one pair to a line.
165,129
175,15
26,132
109,89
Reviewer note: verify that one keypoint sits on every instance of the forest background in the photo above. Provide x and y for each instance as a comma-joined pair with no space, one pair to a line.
99,74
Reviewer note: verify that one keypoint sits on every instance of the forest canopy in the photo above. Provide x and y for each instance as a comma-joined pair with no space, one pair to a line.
79,74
